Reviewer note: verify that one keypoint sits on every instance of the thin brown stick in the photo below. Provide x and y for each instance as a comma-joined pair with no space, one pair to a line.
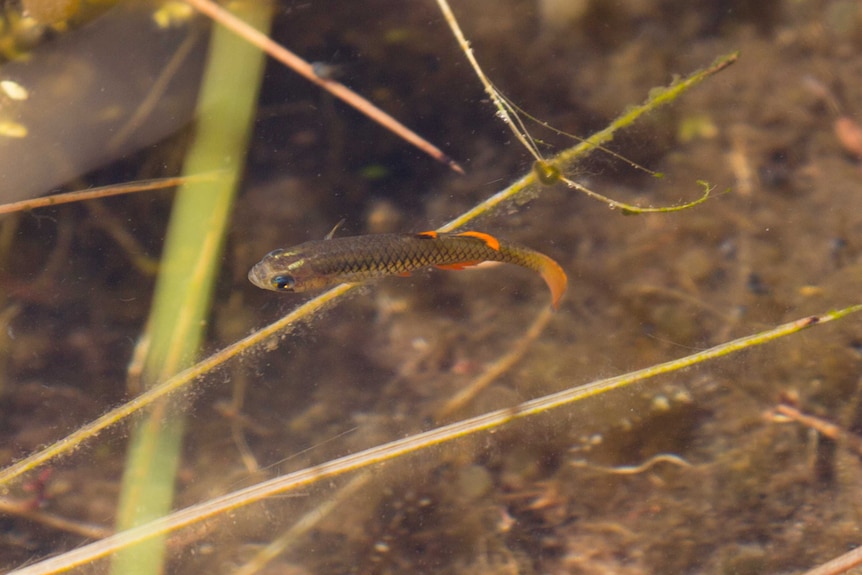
840,564
23,509
823,427
103,192
503,108
290,538
498,368
359,460
156,91
306,70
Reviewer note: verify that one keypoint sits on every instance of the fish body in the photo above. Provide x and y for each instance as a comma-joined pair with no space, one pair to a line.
323,263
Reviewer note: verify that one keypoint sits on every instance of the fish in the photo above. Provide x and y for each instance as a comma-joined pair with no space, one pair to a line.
319,264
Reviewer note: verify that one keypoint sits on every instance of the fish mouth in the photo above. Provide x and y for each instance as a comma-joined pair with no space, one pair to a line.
257,276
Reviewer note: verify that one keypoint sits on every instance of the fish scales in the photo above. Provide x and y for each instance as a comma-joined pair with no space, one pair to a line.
388,254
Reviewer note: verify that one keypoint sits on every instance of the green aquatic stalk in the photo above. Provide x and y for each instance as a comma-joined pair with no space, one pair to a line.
190,263
411,444
565,159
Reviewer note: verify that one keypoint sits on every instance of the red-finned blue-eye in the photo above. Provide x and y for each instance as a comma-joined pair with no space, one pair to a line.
318,264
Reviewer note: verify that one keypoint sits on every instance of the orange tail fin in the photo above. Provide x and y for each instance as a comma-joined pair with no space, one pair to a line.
556,279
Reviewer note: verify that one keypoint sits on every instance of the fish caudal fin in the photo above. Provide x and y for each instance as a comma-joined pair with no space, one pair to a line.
555,277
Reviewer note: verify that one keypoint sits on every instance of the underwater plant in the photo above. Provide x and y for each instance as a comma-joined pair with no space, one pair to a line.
457,401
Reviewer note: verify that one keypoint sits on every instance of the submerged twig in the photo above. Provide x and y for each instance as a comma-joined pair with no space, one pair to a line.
821,426
499,367
386,452
26,511
103,192
306,70
564,159
155,92
303,525
549,172
503,108
173,384
635,469
840,564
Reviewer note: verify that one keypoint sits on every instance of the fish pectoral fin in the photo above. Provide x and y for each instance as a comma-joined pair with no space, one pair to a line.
457,265
403,274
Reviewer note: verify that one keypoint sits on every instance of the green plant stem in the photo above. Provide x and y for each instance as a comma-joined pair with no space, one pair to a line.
189,267
400,447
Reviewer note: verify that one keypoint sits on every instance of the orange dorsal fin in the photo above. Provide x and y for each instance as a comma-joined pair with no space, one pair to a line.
489,240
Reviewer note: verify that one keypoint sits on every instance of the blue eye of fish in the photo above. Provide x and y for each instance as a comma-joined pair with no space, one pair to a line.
283,282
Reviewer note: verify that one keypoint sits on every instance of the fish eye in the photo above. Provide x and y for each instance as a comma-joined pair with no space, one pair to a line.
283,282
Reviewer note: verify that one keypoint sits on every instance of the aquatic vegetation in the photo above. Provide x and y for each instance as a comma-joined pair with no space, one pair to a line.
527,468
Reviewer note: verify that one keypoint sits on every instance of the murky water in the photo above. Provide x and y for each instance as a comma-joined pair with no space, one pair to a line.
685,473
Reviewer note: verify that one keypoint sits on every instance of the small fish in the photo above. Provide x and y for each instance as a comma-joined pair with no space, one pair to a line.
323,263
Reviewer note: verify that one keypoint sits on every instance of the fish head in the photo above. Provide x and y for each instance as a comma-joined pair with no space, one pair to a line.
285,271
